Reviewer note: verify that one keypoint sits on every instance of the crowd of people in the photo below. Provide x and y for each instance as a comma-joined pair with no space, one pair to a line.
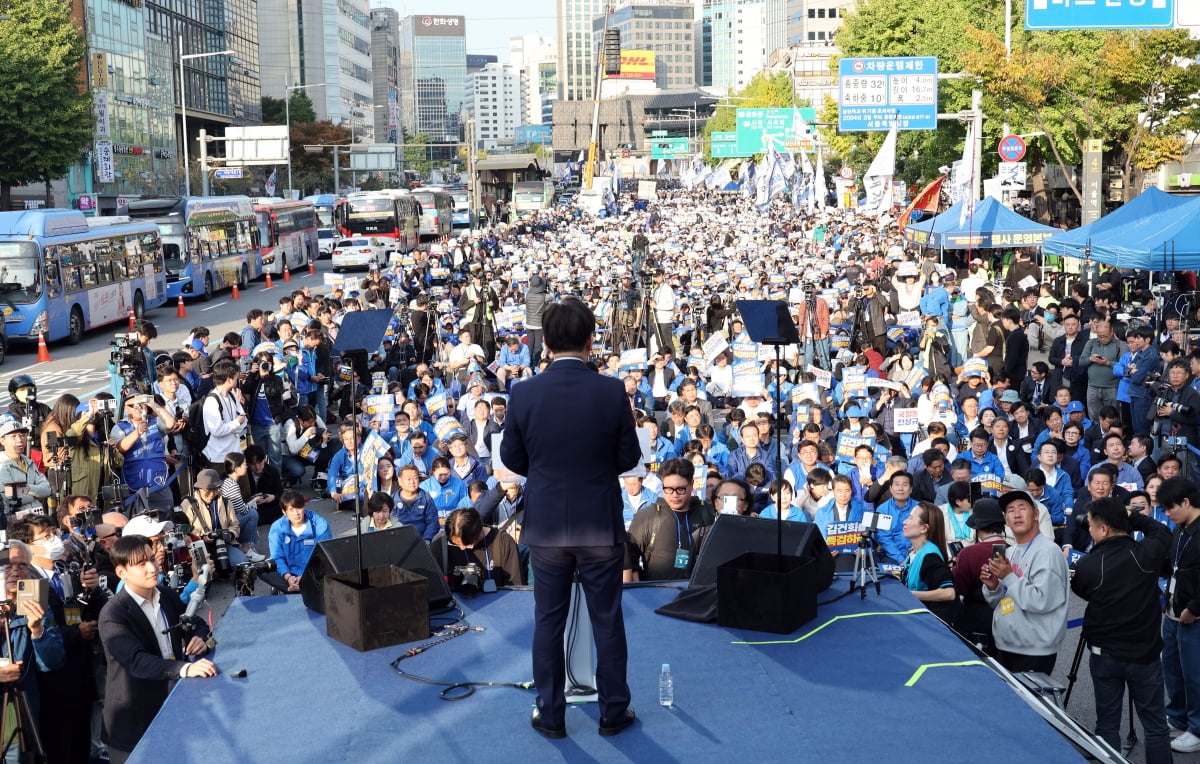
998,420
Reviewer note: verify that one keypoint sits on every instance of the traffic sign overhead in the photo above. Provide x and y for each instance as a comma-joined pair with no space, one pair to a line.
874,93
1100,14
757,127
1012,148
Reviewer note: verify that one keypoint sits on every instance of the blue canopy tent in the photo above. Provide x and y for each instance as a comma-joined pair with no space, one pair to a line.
1155,231
992,226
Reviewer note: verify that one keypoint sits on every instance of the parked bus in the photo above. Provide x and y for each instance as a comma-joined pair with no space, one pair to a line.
462,208
287,233
61,276
532,196
209,242
390,214
437,213
331,220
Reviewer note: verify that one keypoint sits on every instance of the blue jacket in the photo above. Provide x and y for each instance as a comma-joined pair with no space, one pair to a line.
825,515
45,654
794,514
291,552
448,497
341,470
894,544
936,302
1053,501
988,465
421,514
475,470
739,460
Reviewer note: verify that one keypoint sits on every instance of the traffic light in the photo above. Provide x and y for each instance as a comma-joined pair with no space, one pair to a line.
612,52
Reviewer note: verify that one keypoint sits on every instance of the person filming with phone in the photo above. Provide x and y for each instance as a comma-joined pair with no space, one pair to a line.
1026,587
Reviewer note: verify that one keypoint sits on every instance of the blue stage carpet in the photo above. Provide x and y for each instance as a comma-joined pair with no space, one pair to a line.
837,695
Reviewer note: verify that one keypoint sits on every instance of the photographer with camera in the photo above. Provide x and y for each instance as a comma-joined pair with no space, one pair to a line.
305,442
24,486
72,457
213,519
28,410
224,416
477,557
263,390
142,660
1177,409
140,438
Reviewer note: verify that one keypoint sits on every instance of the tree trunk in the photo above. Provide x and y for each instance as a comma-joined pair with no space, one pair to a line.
49,194
5,195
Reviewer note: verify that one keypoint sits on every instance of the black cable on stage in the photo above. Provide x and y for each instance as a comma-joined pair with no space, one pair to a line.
456,627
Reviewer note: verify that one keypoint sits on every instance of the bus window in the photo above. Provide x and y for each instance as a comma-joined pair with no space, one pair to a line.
53,280
74,281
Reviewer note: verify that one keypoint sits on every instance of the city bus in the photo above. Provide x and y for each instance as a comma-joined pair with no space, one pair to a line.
389,214
209,242
63,274
437,213
287,233
331,220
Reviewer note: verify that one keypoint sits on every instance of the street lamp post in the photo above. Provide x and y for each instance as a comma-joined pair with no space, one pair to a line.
187,171
287,118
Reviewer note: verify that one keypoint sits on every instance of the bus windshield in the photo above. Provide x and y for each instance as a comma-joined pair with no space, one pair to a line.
324,215
263,219
20,280
371,216
174,257
426,200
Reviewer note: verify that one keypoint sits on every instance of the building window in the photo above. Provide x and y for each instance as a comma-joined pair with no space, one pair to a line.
820,13
812,13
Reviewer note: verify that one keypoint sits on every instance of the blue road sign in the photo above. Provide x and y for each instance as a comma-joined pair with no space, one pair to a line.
874,93
227,173
1099,14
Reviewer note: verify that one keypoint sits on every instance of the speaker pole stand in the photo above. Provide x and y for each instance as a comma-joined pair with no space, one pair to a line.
579,645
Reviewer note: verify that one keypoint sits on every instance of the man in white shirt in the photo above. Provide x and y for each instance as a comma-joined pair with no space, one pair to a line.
463,354
224,417
663,303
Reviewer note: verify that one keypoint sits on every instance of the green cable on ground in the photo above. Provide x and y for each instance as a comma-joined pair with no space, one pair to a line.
832,621
916,677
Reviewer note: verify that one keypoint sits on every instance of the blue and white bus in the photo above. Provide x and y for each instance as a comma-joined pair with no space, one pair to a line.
62,276
209,242
331,220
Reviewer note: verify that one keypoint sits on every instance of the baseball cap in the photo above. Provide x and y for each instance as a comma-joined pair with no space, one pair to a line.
1074,407
985,513
1014,482
10,425
142,525
1005,500
290,344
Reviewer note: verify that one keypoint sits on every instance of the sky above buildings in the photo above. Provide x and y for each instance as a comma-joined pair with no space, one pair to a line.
489,22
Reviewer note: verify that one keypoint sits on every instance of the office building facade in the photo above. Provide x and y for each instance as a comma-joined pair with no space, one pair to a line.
536,57
738,37
494,97
664,27
433,72
576,51
385,71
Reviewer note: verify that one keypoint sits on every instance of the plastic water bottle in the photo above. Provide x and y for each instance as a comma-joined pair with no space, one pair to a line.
666,687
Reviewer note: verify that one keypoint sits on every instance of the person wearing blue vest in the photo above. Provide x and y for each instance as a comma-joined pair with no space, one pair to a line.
893,541
926,572
447,490
139,438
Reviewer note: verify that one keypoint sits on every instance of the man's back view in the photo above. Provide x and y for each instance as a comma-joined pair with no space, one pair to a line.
570,431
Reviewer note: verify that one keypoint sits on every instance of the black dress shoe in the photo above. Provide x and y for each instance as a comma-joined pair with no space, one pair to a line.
616,726
550,731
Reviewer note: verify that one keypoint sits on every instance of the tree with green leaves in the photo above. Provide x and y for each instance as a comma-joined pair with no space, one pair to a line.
45,114
766,90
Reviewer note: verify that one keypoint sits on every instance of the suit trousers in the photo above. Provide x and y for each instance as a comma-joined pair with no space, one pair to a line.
600,574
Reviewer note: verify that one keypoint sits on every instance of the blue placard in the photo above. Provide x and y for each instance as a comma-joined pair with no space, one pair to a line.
875,92
1099,14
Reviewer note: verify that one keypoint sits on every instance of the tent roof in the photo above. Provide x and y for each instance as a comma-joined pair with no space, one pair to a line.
992,226
1153,231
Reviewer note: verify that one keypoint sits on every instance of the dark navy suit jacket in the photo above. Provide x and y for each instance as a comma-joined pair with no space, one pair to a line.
570,431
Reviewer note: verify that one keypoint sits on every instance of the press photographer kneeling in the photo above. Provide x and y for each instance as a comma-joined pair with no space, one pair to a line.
478,557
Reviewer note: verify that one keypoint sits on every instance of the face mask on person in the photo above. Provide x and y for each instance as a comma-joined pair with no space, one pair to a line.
53,549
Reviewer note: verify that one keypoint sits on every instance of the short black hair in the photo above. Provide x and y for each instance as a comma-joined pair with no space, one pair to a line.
567,326
131,550
680,467
1111,512
1174,490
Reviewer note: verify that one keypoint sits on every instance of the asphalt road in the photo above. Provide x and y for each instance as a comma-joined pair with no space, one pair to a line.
82,370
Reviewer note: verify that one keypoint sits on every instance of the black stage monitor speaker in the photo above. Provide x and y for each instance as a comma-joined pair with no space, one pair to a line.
734,535
402,547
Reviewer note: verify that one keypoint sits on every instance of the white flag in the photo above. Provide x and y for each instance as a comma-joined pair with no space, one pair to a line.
878,180
966,179
820,190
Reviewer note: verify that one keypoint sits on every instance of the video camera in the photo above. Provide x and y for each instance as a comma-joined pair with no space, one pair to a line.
472,579
221,539
128,359
86,521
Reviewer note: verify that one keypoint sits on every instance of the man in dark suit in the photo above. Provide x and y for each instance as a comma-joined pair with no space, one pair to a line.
1007,449
142,661
1140,448
265,479
573,512
1064,357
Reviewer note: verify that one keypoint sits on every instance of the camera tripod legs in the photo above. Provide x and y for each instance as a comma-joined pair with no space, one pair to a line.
865,570
25,732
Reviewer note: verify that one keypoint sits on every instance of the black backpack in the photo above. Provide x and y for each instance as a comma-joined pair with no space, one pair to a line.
194,435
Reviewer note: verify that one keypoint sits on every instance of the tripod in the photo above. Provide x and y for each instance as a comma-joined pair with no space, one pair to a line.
820,348
865,568
25,731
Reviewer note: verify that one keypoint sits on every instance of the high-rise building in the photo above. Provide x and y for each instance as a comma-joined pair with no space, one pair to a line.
738,38
576,51
433,71
326,47
815,22
665,28
494,98
537,59
476,61
385,73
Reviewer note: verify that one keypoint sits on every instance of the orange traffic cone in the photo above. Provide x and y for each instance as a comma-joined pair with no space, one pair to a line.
236,295
43,352
269,284
132,318
312,266
287,276
180,310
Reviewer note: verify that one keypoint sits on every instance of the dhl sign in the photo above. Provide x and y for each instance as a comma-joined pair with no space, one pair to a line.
636,65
